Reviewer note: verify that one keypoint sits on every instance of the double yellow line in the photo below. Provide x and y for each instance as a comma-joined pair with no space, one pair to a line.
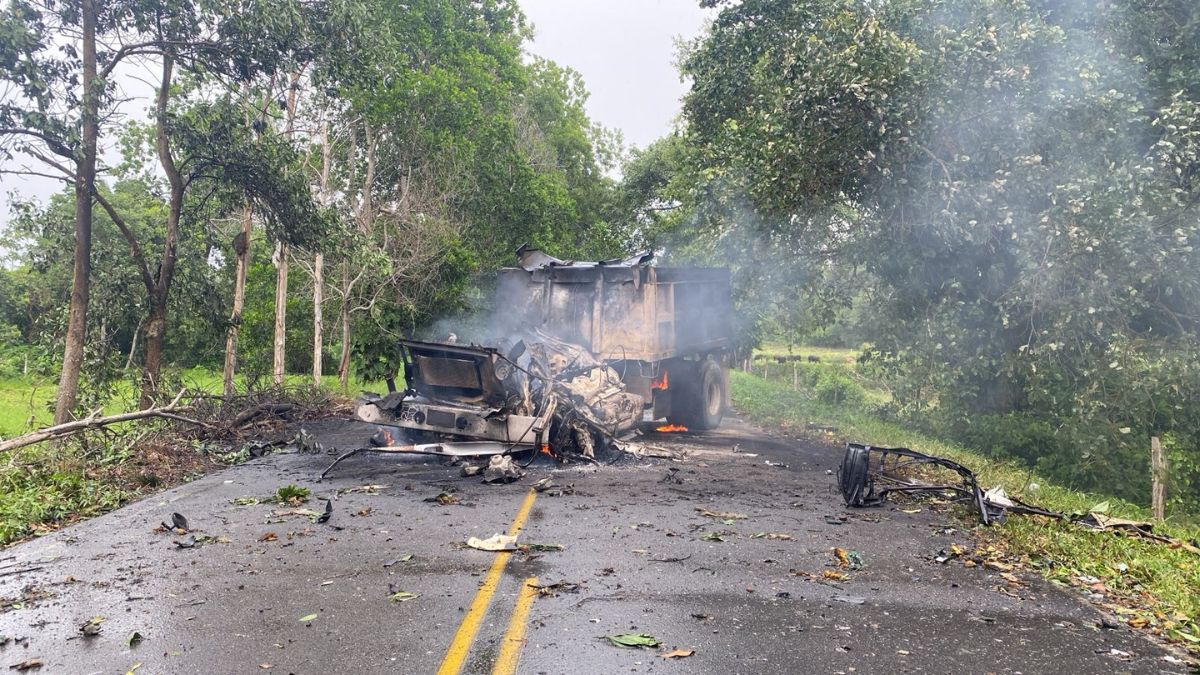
514,636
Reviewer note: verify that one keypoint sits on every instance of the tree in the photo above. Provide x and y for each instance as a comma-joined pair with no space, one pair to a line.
1013,179
47,122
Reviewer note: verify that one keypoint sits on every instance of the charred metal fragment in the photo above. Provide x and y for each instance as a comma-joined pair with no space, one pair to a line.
869,474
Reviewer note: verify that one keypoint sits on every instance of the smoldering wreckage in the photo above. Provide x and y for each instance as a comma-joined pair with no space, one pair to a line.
587,351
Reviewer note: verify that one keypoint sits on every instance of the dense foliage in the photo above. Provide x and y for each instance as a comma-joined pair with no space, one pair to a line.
1004,189
408,147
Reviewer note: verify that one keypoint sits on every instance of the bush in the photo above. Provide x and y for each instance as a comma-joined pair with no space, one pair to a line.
836,388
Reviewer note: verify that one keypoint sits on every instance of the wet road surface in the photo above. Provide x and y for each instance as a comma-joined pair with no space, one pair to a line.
745,595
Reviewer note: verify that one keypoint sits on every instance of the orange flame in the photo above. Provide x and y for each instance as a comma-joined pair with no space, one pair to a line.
660,382
545,450
672,428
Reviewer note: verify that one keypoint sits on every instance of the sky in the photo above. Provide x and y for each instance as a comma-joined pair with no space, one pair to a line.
624,49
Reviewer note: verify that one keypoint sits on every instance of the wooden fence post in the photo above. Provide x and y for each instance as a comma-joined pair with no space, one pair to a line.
1158,476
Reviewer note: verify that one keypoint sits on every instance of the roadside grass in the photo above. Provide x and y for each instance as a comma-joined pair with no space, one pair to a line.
23,405
44,487
1148,584
27,404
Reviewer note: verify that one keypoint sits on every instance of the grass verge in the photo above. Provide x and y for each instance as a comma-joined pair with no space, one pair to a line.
47,486
1148,585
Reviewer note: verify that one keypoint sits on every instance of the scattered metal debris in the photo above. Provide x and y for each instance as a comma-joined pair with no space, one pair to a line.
324,517
869,474
501,469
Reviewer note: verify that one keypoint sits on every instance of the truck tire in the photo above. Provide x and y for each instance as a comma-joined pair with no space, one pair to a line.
699,401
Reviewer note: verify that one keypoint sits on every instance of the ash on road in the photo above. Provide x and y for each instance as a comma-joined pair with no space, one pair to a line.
636,542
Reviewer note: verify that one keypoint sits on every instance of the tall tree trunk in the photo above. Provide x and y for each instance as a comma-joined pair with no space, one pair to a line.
281,282
85,180
279,367
344,318
318,319
156,327
241,250
319,264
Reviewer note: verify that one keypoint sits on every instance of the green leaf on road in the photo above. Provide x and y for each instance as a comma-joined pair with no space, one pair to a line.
713,536
308,617
133,639
633,640
403,596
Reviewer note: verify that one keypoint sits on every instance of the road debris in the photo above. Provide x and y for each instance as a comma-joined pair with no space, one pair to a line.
443,498
849,599
848,559
91,627
774,536
541,548
324,517
552,590
869,474
501,469
496,542
633,640
721,515
27,664
179,524
292,495
677,654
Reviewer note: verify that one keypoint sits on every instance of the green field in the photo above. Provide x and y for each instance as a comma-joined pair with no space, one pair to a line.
27,404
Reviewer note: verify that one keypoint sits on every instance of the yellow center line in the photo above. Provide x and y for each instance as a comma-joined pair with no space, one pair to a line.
514,637
460,646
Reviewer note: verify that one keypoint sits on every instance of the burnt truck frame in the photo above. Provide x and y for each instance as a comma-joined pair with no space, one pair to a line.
459,390
602,343
666,330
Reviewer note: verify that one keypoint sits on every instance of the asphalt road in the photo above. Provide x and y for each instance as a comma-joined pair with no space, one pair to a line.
644,557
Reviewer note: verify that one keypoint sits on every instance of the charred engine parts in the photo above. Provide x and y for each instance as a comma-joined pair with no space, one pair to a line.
869,474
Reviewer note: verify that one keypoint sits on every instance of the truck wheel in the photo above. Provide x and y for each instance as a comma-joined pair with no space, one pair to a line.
699,401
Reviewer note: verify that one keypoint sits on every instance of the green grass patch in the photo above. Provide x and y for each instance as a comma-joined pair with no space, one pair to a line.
24,406
46,486
1156,585
27,404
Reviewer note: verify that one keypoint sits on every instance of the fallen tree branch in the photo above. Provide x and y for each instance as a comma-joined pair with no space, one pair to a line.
94,422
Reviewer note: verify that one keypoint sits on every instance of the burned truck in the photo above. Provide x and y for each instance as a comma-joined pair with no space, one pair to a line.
584,350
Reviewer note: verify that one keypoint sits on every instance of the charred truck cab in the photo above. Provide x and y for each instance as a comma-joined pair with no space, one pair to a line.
586,349
666,330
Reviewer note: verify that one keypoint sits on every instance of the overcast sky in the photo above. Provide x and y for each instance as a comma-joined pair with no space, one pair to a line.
625,50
